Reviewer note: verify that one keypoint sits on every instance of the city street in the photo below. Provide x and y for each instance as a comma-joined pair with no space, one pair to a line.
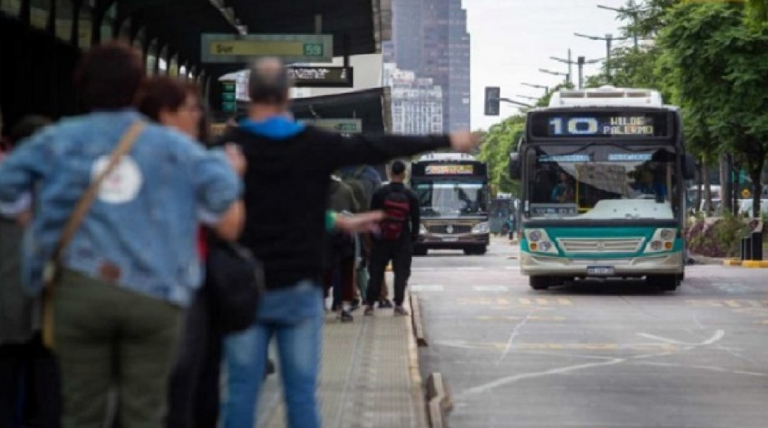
593,355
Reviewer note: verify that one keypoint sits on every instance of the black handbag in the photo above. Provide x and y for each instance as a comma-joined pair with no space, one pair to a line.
236,283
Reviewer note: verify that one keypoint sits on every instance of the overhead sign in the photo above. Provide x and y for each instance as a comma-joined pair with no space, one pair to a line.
449,170
344,126
231,48
322,77
586,124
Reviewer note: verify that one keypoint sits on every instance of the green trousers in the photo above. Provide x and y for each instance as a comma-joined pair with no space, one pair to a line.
109,337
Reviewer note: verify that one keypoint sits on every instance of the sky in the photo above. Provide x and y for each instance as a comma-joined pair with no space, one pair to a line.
512,39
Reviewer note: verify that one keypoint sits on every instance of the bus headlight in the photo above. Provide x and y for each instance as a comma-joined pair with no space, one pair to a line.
422,229
539,242
662,240
481,228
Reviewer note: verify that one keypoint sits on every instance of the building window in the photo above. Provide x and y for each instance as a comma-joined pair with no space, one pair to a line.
11,7
39,12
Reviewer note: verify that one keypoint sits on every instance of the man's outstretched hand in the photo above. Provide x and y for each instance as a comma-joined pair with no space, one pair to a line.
464,141
360,223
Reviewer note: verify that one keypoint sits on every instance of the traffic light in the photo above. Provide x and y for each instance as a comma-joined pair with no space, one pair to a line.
492,95
229,97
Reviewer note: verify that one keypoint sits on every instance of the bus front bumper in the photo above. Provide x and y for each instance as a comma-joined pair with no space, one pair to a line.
659,264
458,241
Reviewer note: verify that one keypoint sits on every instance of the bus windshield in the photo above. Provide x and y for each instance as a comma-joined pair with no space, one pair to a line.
451,198
601,181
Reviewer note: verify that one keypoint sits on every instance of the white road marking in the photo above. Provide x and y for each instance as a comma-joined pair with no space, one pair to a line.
512,337
427,288
563,370
490,288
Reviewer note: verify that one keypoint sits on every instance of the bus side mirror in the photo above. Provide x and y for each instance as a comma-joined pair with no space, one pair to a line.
514,166
689,167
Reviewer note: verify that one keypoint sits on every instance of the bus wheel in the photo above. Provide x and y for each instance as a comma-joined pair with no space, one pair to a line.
539,282
664,282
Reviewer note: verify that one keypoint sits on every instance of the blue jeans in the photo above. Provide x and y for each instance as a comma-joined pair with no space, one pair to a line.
295,317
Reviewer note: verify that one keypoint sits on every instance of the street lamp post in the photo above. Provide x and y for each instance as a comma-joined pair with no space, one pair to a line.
632,11
527,97
557,73
545,88
608,46
580,62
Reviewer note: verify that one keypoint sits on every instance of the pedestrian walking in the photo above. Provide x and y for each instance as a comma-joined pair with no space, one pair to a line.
117,202
399,231
286,191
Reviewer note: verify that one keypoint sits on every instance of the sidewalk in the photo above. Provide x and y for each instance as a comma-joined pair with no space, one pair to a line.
370,376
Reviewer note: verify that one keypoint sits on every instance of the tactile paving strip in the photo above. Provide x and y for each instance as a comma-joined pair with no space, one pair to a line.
366,376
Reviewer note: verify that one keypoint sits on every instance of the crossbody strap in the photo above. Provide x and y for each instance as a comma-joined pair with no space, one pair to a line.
85,202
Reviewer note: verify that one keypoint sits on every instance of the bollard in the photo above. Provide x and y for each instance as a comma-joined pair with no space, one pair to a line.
756,246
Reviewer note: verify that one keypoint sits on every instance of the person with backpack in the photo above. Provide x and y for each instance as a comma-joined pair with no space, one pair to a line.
399,230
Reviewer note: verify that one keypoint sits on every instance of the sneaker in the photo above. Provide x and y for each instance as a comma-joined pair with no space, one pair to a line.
354,305
345,316
368,311
385,304
399,310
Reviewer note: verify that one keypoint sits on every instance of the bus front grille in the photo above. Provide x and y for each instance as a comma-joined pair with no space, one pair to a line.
589,245
453,229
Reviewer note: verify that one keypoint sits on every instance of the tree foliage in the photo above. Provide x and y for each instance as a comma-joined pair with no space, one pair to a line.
716,68
501,140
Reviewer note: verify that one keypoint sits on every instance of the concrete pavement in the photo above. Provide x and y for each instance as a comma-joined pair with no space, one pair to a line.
370,376
594,354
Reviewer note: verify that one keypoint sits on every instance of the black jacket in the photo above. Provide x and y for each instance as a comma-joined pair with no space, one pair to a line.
286,192
377,203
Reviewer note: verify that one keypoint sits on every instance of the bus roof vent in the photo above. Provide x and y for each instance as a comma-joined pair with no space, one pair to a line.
606,96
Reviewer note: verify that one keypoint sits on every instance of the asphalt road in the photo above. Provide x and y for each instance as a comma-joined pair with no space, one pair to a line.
594,354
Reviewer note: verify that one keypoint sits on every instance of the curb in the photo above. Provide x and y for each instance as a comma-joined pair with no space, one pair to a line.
417,386
753,264
439,402
418,326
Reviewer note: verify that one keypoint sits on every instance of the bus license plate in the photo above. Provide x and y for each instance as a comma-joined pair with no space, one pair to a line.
600,270
452,239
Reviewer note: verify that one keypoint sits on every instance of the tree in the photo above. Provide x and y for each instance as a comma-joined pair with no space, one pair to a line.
501,140
716,67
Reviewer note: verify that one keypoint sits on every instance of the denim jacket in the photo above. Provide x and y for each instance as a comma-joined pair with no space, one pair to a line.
140,232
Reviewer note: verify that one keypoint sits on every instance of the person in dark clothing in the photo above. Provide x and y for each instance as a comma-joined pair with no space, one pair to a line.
340,254
29,381
286,196
400,229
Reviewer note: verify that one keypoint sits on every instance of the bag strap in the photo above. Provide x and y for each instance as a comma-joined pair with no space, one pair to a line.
85,202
